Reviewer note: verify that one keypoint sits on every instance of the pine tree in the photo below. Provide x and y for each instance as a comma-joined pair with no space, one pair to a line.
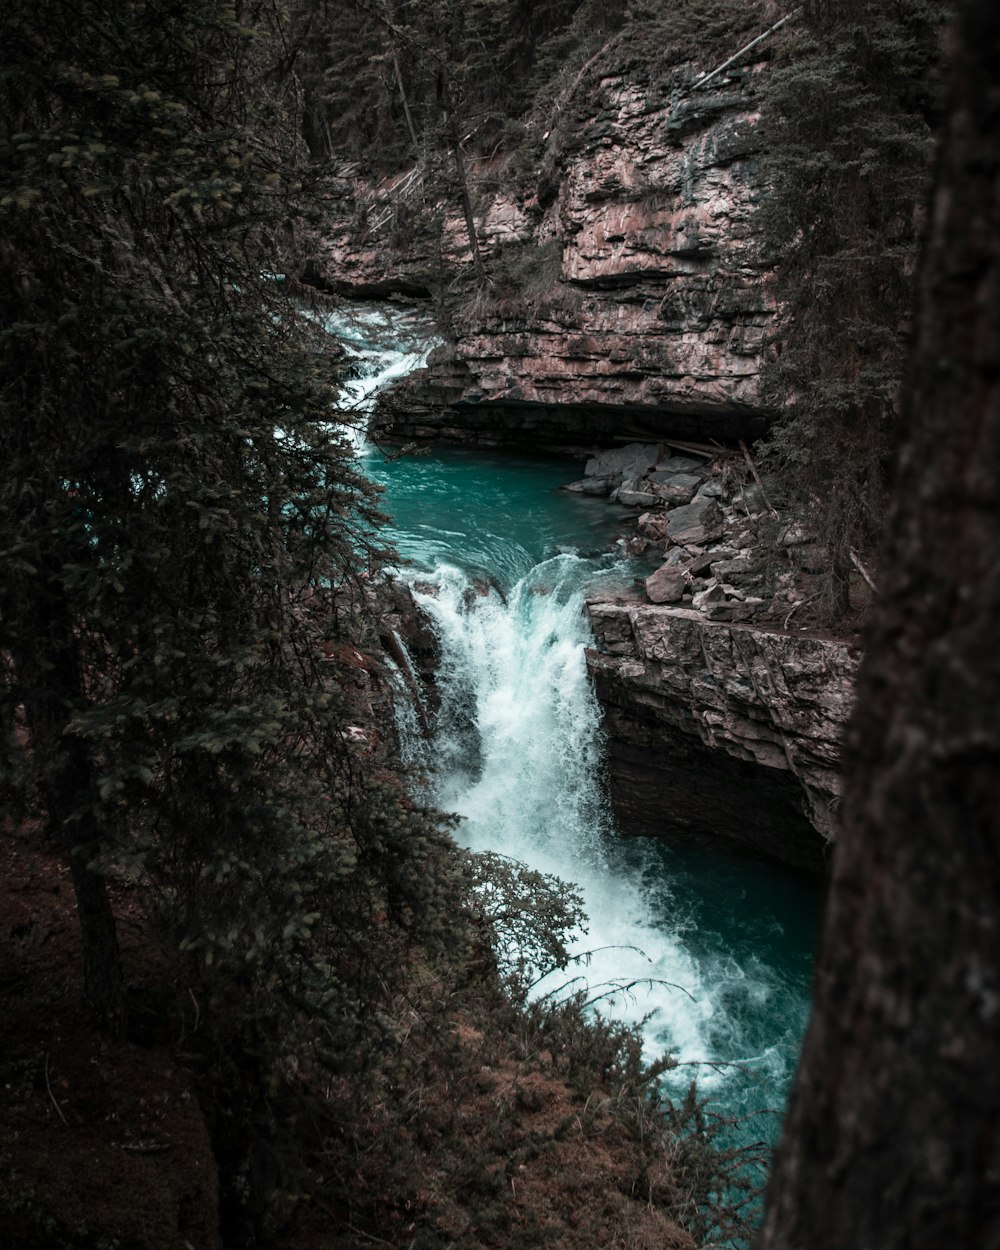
181,518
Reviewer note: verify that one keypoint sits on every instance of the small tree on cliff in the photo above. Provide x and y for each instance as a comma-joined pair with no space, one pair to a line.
893,1131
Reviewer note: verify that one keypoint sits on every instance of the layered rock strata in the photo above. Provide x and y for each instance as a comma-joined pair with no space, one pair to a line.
722,723
638,301
635,306
721,731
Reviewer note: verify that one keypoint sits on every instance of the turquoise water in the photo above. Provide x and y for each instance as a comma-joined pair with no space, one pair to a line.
707,953
717,948
494,516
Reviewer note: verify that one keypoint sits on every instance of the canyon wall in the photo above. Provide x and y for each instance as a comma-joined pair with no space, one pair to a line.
722,731
628,295
629,300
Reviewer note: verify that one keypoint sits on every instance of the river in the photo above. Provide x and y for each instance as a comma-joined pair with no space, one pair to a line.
713,951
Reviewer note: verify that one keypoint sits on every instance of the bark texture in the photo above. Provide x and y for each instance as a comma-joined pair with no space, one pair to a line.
893,1134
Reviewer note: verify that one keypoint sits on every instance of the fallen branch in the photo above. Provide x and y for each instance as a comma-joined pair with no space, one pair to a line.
708,450
744,50
756,477
862,570
799,603
48,1086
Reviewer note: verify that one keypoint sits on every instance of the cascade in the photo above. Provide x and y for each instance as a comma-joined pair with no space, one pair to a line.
382,344
517,752
708,954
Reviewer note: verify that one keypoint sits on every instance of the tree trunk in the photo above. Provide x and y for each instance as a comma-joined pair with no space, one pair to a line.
52,691
455,142
76,830
892,1138
470,220
411,128
102,966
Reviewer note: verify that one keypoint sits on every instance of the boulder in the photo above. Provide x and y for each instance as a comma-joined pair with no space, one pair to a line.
660,476
696,522
723,611
653,525
679,557
740,572
682,464
701,561
633,497
592,486
633,460
674,487
722,551
666,585
706,599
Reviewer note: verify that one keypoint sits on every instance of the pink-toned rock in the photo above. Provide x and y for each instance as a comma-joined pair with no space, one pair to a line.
653,525
715,729
666,585
660,308
633,495
697,522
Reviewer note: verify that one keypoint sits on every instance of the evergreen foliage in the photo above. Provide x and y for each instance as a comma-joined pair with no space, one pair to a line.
379,74
183,524
848,116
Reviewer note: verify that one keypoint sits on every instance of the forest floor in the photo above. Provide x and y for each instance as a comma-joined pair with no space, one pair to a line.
104,1145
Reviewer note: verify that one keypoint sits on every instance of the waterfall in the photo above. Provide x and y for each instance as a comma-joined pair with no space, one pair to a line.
710,954
383,343
518,756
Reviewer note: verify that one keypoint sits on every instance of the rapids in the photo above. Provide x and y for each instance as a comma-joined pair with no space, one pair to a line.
715,948
708,953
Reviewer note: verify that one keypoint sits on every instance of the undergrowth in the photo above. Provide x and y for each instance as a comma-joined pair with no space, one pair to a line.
499,1119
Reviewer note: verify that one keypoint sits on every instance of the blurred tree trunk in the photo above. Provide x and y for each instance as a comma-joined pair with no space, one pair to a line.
54,692
893,1133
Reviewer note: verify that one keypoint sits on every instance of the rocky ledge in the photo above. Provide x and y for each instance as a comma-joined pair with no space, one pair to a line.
720,731
723,724
627,290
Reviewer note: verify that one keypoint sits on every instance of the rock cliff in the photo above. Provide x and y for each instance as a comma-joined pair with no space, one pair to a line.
629,299
626,296
720,730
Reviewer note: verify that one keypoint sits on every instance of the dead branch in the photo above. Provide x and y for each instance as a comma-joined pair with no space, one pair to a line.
48,1086
756,477
862,570
799,603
